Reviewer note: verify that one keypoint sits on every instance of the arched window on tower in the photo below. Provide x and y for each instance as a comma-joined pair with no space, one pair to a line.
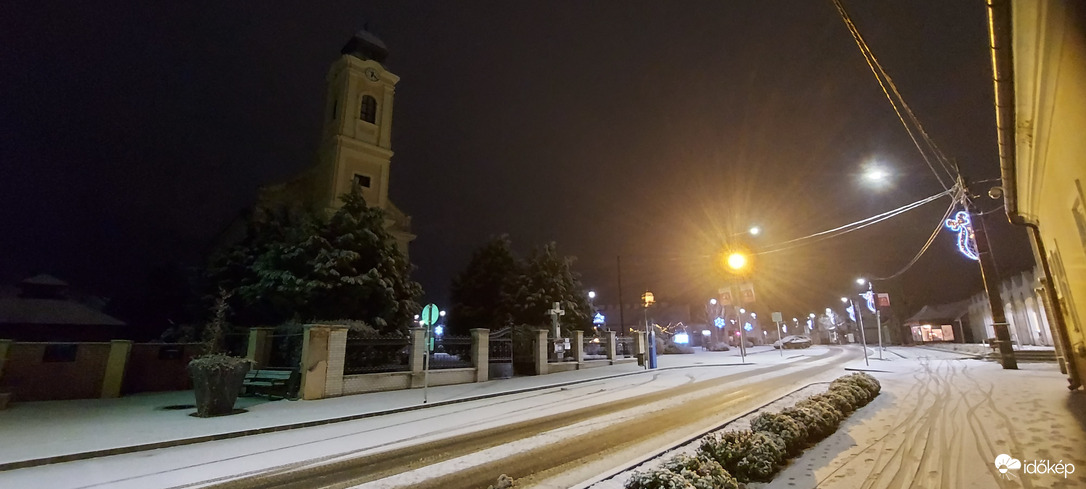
368,112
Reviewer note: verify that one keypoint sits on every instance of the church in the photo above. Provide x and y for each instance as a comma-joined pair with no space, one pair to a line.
356,143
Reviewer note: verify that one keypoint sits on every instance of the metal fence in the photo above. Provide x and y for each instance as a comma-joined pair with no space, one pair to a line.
595,348
624,346
378,354
501,346
451,352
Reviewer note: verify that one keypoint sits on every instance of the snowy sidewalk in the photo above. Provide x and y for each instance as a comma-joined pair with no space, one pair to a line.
942,419
53,431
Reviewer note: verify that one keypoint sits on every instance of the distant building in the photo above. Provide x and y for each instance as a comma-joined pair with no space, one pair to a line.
940,323
1024,306
1039,62
355,148
41,310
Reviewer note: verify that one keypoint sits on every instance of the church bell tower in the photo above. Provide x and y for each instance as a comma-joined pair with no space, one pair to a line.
356,143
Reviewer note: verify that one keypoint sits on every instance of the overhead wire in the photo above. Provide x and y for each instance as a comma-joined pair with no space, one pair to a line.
852,226
880,75
931,239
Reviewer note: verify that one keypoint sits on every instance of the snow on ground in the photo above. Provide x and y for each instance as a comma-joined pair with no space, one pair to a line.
940,421
57,428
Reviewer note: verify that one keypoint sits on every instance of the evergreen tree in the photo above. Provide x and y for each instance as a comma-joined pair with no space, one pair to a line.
481,295
549,278
294,265
497,289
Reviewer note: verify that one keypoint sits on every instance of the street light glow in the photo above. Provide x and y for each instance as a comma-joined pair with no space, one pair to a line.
737,261
755,230
712,301
861,281
591,294
844,299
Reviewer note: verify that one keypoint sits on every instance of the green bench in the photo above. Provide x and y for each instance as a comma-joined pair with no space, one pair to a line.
275,383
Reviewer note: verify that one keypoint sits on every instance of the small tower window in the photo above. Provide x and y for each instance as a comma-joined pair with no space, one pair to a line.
335,107
361,180
368,112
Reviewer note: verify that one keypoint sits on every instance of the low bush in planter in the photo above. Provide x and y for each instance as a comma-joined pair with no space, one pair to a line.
746,455
863,380
843,404
856,395
818,422
791,432
701,472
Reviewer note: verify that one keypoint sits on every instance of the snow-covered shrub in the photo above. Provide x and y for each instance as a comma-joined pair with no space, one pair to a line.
746,455
667,347
863,380
841,403
818,424
855,393
504,482
701,472
660,478
791,432
823,407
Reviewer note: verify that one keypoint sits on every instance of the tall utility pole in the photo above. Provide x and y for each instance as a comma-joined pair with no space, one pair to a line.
990,275
621,315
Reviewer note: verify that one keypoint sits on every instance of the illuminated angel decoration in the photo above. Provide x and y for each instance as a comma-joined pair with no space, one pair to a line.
967,242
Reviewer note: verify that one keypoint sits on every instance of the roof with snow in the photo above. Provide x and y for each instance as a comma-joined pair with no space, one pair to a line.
365,45
45,279
952,311
25,310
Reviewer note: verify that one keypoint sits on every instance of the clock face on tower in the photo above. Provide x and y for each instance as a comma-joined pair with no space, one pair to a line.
372,74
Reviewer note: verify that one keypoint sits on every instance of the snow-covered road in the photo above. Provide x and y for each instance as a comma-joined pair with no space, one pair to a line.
611,420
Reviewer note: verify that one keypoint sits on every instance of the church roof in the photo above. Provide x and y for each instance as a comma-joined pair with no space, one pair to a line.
365,45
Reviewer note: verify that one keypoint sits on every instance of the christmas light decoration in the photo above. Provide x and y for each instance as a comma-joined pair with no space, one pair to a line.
967,242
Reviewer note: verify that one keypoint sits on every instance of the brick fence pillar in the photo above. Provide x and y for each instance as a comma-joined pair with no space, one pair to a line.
480,353
115,366
260,346
610,339
540,351
4,346
641,348
578,346
323,348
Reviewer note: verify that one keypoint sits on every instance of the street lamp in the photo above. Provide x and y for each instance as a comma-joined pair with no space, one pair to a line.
648,300
873,299
860,318
591,294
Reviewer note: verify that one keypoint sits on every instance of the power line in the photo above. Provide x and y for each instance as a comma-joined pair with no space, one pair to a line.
880,75
931,239
852,226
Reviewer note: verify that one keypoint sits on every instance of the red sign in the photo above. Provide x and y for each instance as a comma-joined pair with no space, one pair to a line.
884,299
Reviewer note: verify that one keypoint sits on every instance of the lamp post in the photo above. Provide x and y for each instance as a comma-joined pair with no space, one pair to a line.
647,300
873,299
863,339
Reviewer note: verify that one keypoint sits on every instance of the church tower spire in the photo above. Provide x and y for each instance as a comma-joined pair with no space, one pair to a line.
356,143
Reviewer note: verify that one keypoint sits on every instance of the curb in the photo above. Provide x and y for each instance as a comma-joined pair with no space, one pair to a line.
22,464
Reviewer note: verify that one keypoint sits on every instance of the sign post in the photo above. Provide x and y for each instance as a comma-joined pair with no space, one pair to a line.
428,318
777,318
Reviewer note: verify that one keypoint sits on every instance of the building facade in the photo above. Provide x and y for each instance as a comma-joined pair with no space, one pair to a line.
1024,306
1038,52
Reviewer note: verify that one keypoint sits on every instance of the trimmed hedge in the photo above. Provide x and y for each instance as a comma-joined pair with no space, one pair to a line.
731,458
747,455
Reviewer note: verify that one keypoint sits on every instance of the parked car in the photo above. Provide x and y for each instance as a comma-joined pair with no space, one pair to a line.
791,342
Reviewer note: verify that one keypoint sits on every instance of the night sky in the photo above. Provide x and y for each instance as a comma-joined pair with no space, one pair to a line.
134,133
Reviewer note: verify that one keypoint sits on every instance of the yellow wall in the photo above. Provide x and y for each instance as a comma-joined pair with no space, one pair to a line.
1050,90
